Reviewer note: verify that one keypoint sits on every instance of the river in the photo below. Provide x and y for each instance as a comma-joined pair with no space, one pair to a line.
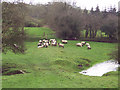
101,68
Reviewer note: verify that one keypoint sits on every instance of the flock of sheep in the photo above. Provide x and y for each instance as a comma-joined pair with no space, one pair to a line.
83,43
53,42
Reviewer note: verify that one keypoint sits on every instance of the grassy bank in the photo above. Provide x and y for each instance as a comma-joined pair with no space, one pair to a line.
55,67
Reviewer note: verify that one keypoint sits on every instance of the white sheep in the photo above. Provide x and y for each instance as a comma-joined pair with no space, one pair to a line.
41,46
87,44
46,41
89,47
61,45
40,41
79,44
52,40
64,41
54,43
83,43
45,45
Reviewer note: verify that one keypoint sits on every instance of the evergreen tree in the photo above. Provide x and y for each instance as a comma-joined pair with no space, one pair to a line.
92,11
104,13
85,11
97,10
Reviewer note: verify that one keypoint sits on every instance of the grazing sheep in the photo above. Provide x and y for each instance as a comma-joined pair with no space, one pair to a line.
40,41
87,44
64,41
45,41
52,40
45,45
54,43
61,45
83,43
79,44
89,47
41,46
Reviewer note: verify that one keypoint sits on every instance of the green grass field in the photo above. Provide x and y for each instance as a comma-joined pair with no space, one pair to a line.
36,32
56,67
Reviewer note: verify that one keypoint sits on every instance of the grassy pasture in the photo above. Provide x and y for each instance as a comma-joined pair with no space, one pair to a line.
36,32
55,67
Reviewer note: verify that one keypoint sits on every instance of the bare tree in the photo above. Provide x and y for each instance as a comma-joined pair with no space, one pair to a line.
13,34
66,20
110,25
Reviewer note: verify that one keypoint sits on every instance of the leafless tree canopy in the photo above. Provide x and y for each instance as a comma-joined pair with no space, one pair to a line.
13,27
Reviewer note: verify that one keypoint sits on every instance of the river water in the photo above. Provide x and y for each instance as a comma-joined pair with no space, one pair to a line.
101,68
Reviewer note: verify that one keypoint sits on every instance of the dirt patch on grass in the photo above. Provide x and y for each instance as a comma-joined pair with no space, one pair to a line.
11,69
14,72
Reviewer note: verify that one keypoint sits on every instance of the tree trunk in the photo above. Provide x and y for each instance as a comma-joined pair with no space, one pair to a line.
86,33
110,36
101,34
90,33
95,33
